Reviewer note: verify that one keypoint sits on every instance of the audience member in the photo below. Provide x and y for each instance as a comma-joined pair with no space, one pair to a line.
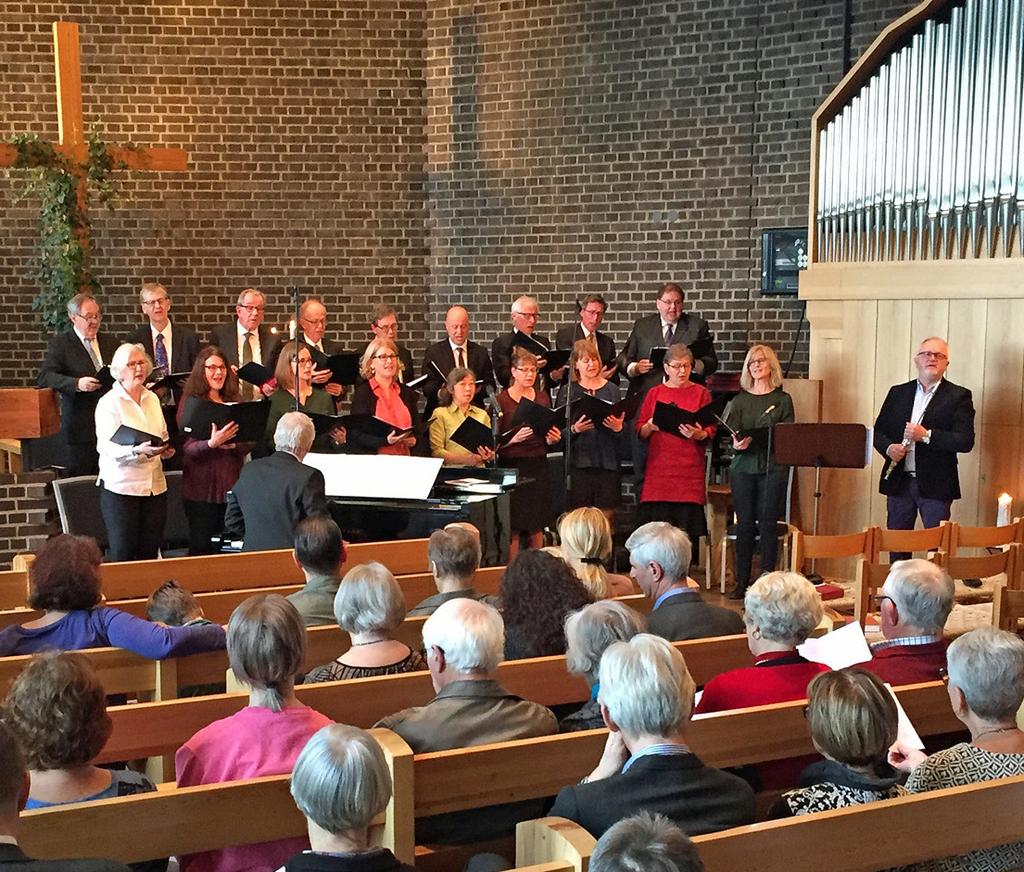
319,552
171,347
454,557
311,402
266,647
274,493
853,721
247,339
916,600
986,690
340,783
456,351
588,632
14,790
133,496
659,558
64,582
586,537
174,606
463,641
646,699
370,607
456,398
645,843
73,360
384,325
211,463
537,592
383,396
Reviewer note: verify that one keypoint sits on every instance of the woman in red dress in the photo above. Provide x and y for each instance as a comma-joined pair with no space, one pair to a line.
674,487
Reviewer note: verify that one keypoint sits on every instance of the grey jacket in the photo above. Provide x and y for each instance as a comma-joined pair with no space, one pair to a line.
315,601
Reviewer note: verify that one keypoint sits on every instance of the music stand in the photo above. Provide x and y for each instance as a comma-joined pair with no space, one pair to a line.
822,446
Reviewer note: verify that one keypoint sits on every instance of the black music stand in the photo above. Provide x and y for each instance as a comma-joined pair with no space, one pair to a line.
822,446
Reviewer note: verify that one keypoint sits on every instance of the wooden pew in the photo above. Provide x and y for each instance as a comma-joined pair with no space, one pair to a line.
860,838
135,828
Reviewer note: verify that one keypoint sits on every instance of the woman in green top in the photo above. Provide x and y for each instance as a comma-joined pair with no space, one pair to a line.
310,401
758,485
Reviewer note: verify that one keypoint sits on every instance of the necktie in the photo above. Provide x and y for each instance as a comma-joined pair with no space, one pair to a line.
249,391
160,351
93,356
670,332
460,359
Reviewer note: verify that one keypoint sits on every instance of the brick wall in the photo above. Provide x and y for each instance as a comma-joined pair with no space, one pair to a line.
28,513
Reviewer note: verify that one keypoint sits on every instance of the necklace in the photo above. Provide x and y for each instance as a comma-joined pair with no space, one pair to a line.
374,642
997,730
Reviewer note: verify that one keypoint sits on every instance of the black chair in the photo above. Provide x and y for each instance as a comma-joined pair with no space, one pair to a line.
78,505
175,541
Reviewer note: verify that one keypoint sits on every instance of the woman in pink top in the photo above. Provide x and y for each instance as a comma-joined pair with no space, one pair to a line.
266,647
385,397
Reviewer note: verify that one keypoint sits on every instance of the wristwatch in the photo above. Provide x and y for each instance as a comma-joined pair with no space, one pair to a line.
927,437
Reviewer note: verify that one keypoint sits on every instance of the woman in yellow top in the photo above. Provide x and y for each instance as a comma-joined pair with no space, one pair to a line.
460,387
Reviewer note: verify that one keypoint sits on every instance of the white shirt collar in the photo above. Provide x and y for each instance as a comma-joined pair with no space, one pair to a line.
241,331
8,840
457,347
82,338
166,332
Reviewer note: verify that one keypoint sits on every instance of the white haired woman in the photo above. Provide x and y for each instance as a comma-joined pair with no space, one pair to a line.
758,484
588,632
780,610
986,689
340,783
134,495
369,606
266,647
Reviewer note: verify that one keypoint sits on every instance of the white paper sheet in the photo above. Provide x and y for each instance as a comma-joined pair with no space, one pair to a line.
838,649
379,476
906,735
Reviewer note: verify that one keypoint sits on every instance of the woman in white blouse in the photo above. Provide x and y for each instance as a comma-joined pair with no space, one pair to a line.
134,495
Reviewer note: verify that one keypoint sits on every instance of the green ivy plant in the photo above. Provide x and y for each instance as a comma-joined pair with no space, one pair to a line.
62,259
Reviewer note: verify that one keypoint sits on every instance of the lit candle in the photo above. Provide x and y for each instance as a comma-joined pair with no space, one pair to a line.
291,329
1003,506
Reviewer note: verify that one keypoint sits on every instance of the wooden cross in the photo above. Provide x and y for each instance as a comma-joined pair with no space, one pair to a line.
72,142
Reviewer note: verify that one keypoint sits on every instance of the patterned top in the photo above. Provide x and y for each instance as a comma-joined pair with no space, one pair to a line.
828,785
958,766
335,671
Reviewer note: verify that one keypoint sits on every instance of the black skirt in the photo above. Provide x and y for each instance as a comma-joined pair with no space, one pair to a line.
532,504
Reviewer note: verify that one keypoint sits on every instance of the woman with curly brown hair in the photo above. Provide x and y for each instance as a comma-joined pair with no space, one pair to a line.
64,582
537,591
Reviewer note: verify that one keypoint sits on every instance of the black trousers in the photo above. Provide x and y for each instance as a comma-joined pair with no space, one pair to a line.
205,520
81,459
759,500
135,525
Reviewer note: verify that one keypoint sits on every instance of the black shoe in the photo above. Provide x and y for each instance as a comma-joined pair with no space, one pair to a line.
736,593
972,582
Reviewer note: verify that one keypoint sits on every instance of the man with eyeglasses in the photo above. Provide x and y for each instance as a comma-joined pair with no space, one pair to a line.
247,338
922,426
525,315
591,308
174,348
384,325
313,323
455,350
72,361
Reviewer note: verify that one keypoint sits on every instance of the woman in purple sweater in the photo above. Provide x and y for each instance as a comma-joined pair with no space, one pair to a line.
65,583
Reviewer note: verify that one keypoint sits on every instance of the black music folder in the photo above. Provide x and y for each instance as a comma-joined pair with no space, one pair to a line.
125,435
344,367
472,435
160,378
537,417
200,415
105,377
255,373
668,417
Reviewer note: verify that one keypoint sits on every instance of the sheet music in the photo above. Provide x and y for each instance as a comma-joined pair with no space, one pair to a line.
906,735
838,649
378,476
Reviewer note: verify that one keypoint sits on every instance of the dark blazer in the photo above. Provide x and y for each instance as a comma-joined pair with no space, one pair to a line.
501,357
65,363
687,616
184,345
695,797
364,402
646,334
441,355
270,497
13,859
225,337
950,417
568,335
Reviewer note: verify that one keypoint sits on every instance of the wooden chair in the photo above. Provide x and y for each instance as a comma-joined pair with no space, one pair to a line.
1008,609
870,578
960,536
929,539
1006,562
807,547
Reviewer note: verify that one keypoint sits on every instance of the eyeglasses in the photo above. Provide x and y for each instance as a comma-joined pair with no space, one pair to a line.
89,319
250,308
594,312
533,316
388,328
757,361
387,356
318,322
304,361
526,369
135,364
878,597
215,367
157,301
683,364
931,355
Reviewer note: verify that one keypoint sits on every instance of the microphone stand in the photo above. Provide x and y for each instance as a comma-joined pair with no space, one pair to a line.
567,452
294,293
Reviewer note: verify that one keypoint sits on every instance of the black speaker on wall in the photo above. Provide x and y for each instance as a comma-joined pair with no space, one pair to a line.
783,255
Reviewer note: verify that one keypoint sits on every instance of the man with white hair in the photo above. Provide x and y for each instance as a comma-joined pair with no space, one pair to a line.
659,558
646,699
915,602
525,315
274,493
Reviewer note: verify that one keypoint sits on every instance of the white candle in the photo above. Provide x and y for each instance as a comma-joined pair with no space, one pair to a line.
291,329
1003,507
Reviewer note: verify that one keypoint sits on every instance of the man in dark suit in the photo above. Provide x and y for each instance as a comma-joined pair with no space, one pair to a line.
646,696
659,559
274,493
525,315
247,338
670,326
313,321
384,325
921,427
72,361
14,786
457,350
591,308
173,347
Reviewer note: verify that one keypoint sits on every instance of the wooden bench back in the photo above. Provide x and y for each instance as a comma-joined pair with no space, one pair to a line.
925,539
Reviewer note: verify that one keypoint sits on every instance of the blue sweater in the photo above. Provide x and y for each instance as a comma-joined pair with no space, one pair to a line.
103,626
